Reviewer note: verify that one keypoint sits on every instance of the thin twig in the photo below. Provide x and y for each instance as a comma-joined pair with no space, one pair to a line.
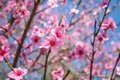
6,31
8,63
74,14
66,75
115,67
37,58
95,35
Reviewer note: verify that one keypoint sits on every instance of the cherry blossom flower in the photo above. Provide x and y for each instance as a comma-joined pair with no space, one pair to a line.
11,4
58,74
43,49
29,4
3,40
24,12
63,1
20,11
52,3
74,11
4,51
103,36
79,50
38,31
108,66
58,34
108,23
118,70
17,73
51,41
35,39
53,20
104,3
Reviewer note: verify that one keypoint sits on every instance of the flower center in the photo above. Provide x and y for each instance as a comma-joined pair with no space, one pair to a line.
19,73
2,52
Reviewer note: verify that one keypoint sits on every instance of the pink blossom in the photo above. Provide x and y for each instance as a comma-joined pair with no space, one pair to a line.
74,11
3,52
48,29
38,31
11,4
41,15
58,33
58,74
3,40
52,3
51,41
91,1
16,12
79,51
63,1
17,73
35,39
104,3
43,49
118,70
96,71
53,20
29,4
24,12
108,66
1,4
108,23
103,36
20,11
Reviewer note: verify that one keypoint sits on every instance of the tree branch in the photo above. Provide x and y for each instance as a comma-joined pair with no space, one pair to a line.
46,64
115,67
66,75
25,33
95,35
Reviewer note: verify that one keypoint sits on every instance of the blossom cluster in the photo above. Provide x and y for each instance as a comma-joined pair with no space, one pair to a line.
59,40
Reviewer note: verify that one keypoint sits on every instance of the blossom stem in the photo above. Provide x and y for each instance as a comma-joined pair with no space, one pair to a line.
117,60
46,64
74,14
8,63
66,75
37,58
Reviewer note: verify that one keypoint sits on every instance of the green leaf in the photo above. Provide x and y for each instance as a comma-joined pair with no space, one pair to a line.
61,19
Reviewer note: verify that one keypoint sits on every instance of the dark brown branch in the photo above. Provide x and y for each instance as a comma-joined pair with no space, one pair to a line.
11,21
25,32
95,35
66,75
46,64
93,51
